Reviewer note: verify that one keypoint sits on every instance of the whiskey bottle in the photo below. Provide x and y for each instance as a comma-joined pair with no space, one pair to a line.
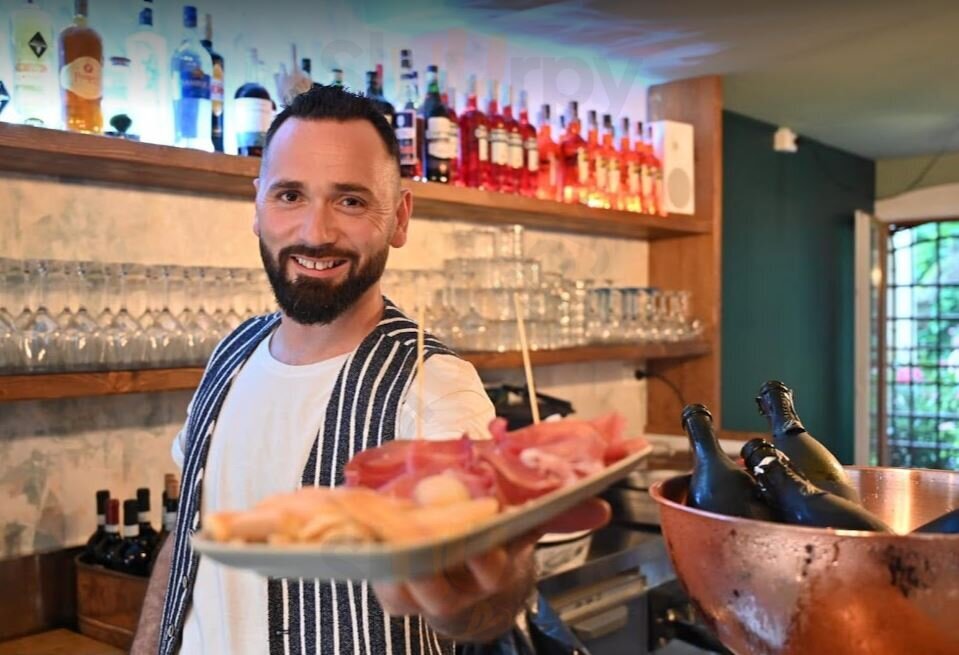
796,499
775,401
217,88
81,74
35,87
718,484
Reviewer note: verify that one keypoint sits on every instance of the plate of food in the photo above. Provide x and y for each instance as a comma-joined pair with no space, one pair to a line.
412,508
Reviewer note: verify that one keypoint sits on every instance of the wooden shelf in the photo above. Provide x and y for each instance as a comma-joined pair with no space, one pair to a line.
74,385
38,151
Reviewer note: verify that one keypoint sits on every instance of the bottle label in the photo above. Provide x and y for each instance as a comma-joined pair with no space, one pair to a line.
482,142
532,155
143,517
602,173
499,148
454,140
131,531
252,117
169,521
614,176
632,176
101,519
83,77
194,83
515,144
582,166
553,171
646,182
438,137
112,528
760,469
406,135
216,89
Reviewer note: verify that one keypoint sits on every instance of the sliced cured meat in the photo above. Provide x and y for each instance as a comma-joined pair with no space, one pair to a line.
374,467
516,482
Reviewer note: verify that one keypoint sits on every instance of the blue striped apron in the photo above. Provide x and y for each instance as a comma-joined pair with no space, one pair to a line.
308,615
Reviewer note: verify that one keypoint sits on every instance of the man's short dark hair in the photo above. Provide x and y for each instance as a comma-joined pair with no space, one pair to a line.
336,104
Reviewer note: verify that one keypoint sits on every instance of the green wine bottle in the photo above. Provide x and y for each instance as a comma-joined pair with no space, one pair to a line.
807,454
796,499
718,484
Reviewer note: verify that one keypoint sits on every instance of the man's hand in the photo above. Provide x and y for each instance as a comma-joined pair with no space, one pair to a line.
479,600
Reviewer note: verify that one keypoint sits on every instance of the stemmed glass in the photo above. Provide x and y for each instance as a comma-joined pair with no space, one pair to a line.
39,331
123,334
81,333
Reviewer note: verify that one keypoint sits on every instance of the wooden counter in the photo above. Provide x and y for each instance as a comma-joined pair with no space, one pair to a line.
57,642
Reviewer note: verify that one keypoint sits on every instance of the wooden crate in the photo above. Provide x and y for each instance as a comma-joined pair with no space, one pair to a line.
108,604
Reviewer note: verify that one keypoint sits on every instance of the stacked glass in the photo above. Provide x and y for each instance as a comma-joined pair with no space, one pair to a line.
70,315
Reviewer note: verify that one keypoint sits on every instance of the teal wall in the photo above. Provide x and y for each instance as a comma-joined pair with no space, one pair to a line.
788,277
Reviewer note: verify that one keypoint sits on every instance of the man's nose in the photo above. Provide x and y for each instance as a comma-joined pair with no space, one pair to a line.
320,226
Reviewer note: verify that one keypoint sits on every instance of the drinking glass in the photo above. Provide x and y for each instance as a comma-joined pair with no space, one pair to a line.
81,338
39,331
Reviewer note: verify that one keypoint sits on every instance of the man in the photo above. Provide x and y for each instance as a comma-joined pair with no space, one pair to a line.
287,399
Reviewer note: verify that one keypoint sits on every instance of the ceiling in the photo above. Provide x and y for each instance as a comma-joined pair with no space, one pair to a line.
877,78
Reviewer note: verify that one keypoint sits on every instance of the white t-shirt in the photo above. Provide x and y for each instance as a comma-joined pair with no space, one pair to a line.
260,444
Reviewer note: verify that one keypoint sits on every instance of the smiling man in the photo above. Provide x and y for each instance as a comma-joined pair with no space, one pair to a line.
288,398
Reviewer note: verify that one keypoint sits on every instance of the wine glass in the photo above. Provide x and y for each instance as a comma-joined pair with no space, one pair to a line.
81,333
39,331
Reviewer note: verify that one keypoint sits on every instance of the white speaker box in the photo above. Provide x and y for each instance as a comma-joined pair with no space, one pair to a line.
673,144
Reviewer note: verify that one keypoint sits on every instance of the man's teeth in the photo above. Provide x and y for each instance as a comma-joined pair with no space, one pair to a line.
316,265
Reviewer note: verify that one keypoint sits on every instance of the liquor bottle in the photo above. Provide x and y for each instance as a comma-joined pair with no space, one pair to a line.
718,484
35,86
191,68
448,97
548,175
217,86
254,108
646,200
406,132
112,533
529,175
656,168
610,188
435,150
514,145
498,139
474,141
948,523
592,195
103,498
149,96
796,499
408,123
374,91
629,171
81,74
132,554
775,401
147,534
306,65
337,80
574,168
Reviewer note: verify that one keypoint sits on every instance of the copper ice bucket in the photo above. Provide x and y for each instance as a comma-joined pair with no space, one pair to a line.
772,588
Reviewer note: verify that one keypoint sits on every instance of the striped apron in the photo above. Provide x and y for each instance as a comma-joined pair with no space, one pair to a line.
309,615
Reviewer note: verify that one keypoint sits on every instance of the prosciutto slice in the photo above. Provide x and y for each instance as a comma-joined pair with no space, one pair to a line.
513,467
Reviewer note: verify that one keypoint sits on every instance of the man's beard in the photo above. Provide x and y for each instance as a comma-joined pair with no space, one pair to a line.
311,301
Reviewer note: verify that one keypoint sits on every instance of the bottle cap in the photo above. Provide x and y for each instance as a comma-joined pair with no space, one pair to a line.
755,449
692,410
103,498
189,16
146,17
113,511
306,65
143,499
130,512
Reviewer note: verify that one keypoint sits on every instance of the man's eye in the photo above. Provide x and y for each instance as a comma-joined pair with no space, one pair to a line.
289,196
351,202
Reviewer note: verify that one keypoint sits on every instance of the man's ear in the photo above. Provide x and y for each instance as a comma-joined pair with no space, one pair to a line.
256,215
404,212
